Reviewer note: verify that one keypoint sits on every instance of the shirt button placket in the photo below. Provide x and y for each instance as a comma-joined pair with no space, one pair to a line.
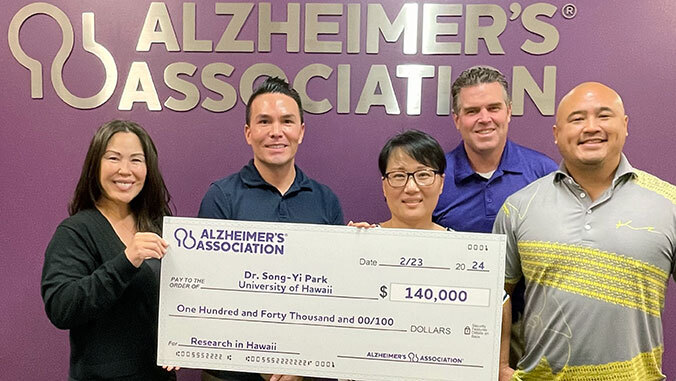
283,210
488,202
588,223
587,214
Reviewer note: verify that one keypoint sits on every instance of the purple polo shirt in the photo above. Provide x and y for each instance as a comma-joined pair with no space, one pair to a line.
470,202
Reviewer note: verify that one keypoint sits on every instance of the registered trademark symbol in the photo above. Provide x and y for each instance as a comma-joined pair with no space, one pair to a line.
569,11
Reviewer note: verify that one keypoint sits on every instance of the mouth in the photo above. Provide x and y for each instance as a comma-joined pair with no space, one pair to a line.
485,131
276,146
592,141
412,202
123,185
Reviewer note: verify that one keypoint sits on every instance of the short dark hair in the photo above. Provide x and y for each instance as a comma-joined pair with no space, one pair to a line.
417,144
477,75
274,85
150,204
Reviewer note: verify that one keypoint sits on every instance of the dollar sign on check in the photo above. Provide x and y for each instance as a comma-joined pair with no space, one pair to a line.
383,291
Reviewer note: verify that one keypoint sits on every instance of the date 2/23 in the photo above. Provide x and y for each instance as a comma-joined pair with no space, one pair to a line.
410,261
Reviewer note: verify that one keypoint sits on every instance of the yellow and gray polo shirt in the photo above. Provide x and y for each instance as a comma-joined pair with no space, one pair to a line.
596,274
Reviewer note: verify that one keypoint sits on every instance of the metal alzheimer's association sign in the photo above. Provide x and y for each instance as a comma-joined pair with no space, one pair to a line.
336,37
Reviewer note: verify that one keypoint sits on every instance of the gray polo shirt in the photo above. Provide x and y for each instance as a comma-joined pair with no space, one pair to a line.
596,274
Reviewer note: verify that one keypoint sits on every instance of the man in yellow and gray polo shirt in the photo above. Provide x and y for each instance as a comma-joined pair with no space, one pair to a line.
596,243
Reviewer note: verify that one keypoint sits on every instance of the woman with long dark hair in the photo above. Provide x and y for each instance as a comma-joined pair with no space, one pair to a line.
101,270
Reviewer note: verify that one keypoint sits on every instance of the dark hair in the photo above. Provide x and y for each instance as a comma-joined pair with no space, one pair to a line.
417,144
477,75
150,204
274,85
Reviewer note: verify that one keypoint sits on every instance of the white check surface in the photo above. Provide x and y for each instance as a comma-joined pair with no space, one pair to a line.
331,301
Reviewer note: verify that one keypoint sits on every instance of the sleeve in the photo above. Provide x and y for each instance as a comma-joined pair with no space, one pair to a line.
548,166
215,204
74,287
338,218
672,240
504,224
673,255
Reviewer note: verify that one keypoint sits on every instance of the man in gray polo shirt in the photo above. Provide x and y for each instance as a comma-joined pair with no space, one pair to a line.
596,243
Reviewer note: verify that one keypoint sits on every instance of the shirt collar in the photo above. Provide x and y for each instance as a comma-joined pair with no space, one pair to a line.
510,161
252,178
624,169
461,167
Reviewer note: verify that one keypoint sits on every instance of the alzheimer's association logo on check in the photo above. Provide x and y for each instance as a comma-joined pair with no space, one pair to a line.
231,241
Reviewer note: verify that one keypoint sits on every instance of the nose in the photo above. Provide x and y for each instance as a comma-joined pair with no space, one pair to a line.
124,168
484,116
411,186
592,125
276,129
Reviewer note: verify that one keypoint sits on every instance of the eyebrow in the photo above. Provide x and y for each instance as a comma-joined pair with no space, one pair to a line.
604,109
118,153
285,116
596,111
419,167
577,112
463,108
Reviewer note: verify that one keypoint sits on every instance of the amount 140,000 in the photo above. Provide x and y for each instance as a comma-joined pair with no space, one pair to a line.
466,296
440,295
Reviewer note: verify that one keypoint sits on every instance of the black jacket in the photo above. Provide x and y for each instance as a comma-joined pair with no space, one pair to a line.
109,306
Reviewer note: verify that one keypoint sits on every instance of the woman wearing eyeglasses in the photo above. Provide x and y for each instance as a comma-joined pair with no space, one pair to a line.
412,166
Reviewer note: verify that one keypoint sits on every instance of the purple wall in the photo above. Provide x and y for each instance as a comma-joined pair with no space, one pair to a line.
43,141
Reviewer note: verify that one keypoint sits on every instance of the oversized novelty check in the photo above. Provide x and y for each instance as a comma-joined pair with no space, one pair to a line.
331,301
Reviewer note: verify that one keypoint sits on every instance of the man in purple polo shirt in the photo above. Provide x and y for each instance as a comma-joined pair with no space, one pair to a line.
485,167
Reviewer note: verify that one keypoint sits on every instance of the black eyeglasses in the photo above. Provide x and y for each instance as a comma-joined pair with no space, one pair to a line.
422,177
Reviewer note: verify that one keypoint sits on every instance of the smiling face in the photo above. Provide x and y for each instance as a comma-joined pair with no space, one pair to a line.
591,127
411,205
483,118
122,171
274,131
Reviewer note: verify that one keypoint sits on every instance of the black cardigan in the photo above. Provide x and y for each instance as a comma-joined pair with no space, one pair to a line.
109,306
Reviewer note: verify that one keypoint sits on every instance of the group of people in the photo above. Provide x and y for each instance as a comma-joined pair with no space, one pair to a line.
581,252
